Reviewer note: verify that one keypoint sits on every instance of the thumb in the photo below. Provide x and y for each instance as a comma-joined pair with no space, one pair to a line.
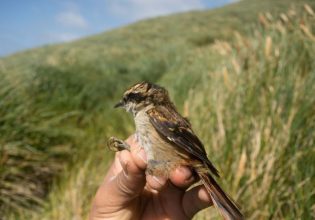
124,181
128,183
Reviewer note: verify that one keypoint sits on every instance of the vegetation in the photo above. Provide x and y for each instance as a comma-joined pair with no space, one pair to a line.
247,89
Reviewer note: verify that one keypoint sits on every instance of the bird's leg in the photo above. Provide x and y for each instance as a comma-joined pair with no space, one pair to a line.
116,144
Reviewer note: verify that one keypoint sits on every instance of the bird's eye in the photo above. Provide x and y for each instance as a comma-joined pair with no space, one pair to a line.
135,97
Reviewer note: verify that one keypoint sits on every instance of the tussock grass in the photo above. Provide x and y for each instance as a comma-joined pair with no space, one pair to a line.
256,114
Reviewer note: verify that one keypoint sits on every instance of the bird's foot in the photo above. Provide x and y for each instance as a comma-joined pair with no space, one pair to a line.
116,144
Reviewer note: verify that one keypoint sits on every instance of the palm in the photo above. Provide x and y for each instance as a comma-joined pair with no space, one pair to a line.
166,204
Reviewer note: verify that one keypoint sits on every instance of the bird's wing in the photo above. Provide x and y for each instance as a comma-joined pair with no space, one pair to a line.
177,130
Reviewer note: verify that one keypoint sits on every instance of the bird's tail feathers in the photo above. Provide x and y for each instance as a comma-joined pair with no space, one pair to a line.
221,200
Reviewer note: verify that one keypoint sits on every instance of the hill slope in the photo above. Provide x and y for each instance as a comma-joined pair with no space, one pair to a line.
250,86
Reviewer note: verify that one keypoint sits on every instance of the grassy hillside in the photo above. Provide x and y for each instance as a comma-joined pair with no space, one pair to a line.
246,71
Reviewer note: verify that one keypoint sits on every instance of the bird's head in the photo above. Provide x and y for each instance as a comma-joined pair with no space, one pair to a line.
142,95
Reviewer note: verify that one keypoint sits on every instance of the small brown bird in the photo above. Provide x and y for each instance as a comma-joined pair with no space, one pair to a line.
169,141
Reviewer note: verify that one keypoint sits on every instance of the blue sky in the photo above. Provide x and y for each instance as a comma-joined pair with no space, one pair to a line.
26,24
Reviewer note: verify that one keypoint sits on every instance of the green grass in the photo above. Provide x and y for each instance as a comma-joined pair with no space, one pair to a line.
257,111
249,86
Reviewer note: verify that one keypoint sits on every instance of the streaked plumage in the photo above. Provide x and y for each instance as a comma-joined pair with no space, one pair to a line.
169,141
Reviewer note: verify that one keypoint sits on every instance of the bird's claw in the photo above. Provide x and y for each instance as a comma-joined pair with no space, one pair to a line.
115,144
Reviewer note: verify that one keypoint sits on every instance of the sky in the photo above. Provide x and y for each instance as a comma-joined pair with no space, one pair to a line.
27,24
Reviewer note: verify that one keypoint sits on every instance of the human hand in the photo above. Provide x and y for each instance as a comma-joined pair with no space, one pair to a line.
127,193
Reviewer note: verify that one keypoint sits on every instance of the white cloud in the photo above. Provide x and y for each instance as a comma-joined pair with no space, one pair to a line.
138,9
71,18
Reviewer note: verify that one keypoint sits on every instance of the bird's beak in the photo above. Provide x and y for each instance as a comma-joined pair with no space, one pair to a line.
119,104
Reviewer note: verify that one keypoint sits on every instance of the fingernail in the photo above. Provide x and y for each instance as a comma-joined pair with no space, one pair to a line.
204,195
124,165
125,168
186,172
141,155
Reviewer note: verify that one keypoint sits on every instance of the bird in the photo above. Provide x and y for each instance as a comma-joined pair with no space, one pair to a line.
169,142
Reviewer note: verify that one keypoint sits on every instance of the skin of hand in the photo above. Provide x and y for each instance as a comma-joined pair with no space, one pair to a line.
128,193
